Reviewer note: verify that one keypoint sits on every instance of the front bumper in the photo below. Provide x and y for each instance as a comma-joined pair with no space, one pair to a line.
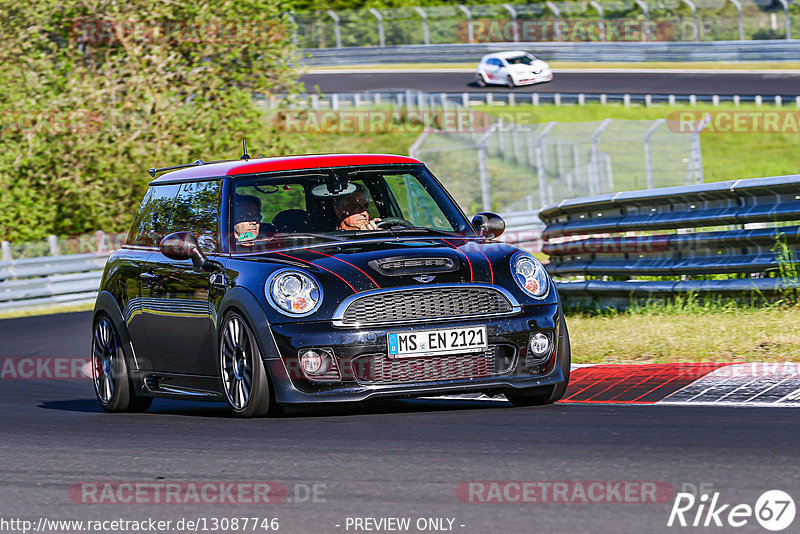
537,78
352,345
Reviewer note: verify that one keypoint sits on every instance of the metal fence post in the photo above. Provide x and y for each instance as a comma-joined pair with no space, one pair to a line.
557,14
596,5
52,242
646,28
696,155
483,172
785,5
540,163
336,29
594,161
576,163
377,15
468,13
514,25
738,6
648,157
414,149
101,241
294,27
694,18
5,247
426,36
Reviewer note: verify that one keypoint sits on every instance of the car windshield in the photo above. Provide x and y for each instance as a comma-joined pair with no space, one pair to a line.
521,60
296,208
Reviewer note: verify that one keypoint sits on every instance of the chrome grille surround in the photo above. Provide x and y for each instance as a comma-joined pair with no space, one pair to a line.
437,302
378,369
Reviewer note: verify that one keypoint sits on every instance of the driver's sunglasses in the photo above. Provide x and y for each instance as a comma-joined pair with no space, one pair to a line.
358,208
248,216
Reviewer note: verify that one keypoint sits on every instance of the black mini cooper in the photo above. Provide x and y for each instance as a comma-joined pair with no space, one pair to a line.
266,282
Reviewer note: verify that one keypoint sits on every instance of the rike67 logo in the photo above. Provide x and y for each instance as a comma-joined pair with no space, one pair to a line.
774,510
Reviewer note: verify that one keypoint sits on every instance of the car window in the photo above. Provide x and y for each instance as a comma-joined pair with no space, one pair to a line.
520,60
415,203
277,209
196,210
153,220
275,199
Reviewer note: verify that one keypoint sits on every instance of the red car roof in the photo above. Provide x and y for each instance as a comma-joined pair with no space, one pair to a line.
284,163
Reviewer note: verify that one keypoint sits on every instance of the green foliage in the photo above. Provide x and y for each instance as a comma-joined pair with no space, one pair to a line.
87,104
788,269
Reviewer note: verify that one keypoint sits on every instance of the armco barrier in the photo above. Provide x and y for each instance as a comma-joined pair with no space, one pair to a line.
614,242
776,50
51,280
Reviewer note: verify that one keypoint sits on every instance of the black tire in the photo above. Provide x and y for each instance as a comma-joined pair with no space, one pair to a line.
510,82
549,394
481,81
112,384
242,373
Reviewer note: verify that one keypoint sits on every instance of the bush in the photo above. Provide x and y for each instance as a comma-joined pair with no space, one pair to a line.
93,93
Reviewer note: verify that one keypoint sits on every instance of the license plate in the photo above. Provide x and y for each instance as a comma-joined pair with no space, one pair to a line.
436,342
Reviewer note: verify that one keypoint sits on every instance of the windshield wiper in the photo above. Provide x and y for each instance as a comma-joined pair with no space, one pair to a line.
293,235
395,230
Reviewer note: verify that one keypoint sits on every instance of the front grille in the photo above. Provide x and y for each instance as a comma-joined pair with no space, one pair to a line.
380,369
425,303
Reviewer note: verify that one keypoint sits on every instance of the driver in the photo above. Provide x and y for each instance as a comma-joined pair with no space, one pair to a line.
246,219
352,211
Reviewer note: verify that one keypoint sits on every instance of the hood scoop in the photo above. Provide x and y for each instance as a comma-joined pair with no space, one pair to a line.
411,265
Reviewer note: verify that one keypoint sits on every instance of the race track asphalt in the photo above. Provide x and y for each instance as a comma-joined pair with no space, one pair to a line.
389,459
679,83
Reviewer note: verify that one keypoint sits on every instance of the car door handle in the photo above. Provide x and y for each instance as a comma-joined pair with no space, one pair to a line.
148,276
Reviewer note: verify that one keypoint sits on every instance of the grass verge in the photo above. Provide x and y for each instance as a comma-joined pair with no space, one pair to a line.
725,155
687,333
50,310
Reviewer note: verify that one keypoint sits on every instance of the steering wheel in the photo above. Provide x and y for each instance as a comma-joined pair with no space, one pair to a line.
388,222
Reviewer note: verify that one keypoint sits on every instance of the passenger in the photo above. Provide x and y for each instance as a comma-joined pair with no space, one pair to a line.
353,211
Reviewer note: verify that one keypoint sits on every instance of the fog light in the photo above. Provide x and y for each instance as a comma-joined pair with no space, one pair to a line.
539,345
314,363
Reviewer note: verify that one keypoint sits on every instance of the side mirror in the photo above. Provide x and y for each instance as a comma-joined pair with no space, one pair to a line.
184,246
489,224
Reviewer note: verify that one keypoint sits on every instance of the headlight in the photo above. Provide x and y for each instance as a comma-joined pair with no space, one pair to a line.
529,275
293,293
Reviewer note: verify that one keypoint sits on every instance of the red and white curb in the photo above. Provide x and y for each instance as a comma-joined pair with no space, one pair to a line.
720,384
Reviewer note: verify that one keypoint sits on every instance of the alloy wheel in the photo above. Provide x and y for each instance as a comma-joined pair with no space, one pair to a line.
105,353
237,359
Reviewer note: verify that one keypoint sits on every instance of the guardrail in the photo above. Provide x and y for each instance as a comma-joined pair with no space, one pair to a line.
775,50
51,280
411,99
736,238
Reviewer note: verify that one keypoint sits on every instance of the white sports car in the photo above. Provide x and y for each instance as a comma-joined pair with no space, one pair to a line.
512,69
